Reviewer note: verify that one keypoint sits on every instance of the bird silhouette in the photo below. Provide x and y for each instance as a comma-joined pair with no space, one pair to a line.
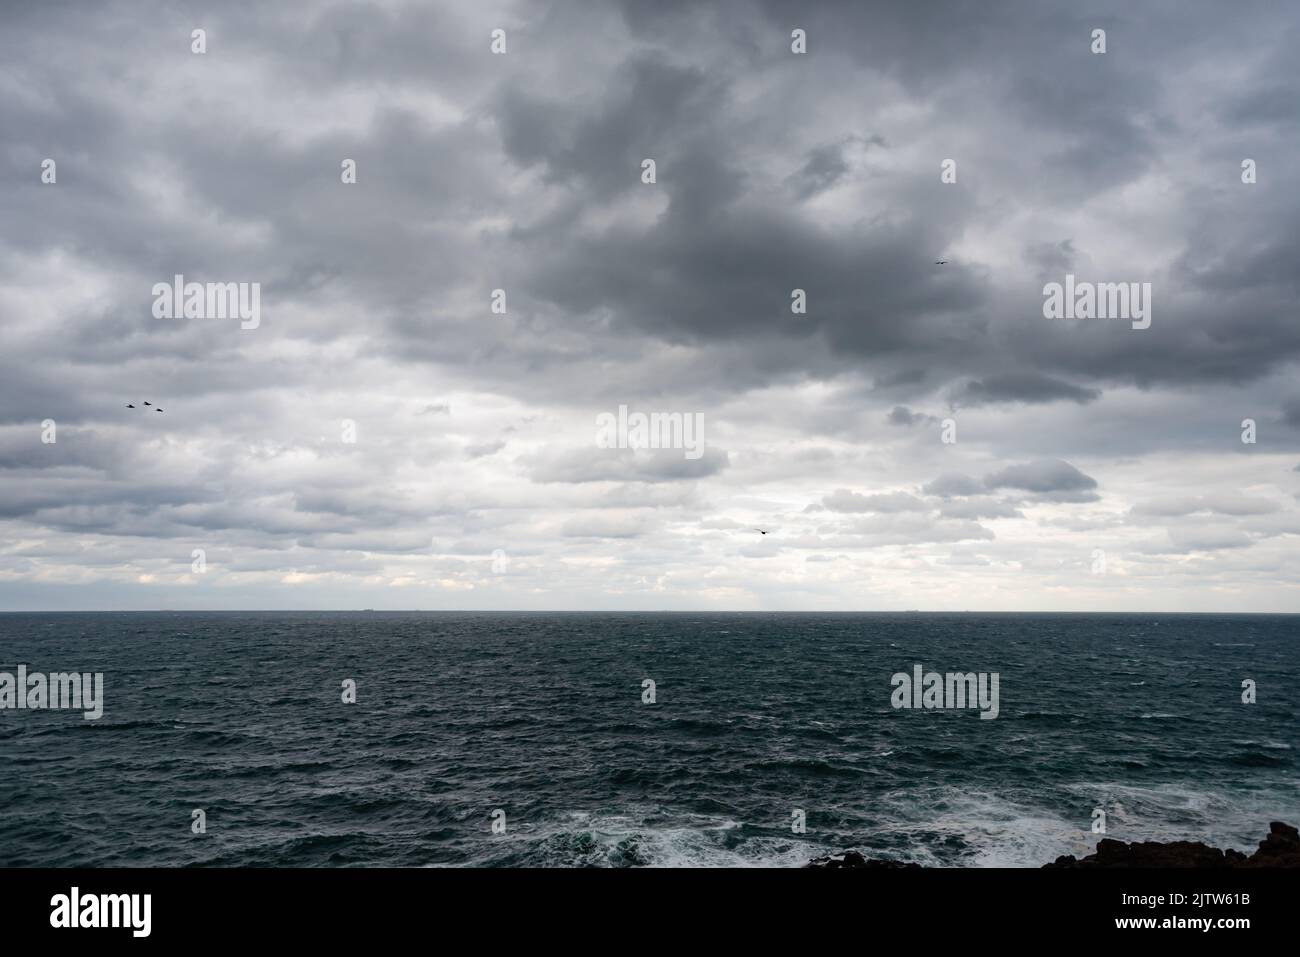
157,410
941,262
760,531
130,406
148,403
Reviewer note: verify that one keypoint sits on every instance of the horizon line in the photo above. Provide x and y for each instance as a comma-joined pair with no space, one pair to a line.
629,611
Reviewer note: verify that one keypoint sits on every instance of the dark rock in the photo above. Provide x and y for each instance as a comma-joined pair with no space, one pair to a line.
1280,849
854,860
1112,853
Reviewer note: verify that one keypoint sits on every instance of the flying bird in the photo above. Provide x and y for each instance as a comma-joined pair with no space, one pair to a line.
760,531
157,410
148,403
130,406
941,262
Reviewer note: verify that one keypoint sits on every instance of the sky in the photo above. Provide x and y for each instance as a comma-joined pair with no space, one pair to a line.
393,434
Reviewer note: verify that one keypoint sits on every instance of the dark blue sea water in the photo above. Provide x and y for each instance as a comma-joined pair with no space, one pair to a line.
541,715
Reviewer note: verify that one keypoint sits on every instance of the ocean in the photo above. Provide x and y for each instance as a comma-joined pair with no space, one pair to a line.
527,739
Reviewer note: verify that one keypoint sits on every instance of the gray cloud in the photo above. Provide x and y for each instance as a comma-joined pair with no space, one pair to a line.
977,508
621,465
901,415
1054,478
1223,503
522,172
843,500
1026,387
953,485
1208,539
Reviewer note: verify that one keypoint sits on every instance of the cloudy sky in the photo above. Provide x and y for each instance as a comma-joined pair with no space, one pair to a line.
1096,466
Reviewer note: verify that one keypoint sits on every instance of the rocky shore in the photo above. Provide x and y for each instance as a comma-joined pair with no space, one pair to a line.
1281,848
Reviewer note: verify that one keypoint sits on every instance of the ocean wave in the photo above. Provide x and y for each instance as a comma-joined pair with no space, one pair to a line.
950,827
1174,812
584,839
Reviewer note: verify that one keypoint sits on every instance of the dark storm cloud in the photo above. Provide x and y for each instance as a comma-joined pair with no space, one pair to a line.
902,415
1027,387
826,167
648,100
1291,413
697,276
722,259
1051,259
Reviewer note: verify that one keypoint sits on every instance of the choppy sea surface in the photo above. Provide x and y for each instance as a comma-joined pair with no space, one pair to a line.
542,717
